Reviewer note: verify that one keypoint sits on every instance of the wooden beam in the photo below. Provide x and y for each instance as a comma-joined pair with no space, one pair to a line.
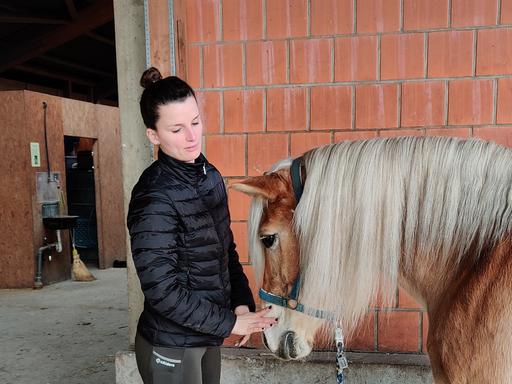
78,67
180,39
30,20
92,17
70,5
102,39
54,75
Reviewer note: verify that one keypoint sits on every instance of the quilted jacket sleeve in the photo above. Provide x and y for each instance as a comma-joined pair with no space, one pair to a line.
152,223
240,291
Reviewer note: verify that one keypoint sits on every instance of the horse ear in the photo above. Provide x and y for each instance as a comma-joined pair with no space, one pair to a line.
262,186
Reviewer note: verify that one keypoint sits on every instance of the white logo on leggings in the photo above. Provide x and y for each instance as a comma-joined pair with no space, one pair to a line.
165,360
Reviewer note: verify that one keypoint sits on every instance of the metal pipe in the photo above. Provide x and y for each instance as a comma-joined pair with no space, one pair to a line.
38,282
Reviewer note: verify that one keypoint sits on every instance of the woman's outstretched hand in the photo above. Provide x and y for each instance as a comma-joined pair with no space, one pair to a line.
251,322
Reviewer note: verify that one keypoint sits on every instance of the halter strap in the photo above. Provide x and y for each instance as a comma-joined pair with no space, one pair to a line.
291,302
298,188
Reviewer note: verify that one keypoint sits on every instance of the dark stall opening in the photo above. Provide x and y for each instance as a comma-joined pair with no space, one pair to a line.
81,199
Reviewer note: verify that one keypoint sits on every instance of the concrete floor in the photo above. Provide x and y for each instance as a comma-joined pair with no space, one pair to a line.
65,333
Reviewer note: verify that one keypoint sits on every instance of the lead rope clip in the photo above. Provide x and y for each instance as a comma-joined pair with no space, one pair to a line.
341,360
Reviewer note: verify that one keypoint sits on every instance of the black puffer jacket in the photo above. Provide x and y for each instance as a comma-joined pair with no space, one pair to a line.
184,253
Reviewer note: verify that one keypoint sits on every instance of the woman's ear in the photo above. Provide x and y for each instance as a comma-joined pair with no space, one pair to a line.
152,136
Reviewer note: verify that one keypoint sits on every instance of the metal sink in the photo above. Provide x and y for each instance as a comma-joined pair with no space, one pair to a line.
60,222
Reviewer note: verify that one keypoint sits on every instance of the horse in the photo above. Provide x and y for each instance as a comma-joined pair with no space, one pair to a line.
429,214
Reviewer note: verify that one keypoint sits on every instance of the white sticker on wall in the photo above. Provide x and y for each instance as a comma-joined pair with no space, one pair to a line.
35,155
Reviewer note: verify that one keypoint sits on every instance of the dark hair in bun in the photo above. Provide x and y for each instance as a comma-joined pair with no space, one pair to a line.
160,91
150,76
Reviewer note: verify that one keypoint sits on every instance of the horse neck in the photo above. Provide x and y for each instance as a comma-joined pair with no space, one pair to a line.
429,285
437,284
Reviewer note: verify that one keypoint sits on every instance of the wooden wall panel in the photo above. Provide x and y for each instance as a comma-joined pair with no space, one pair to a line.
16,231
79,118
111,184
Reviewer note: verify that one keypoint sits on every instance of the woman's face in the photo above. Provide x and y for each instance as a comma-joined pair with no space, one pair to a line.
178,130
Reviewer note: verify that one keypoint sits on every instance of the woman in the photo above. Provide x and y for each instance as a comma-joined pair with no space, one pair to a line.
195,291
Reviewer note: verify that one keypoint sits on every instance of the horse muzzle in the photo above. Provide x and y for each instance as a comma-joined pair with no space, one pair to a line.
287,349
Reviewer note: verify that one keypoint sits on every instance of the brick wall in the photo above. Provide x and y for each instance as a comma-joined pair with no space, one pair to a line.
276,78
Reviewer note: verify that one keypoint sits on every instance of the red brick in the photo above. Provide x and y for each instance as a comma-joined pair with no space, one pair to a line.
287,18
506,11
331,107
243,111
467,13
286,109
378,15
303,142
402,56
266,62
376,106
363,338
450,54
240,235
337,20
449,132
223,65
500,135
265,150
470,102
209,105
355,58
406,301
239,203
494,52
206,17
504,110
401,132
310,61
398,331
242,19
424,333
231,340
194,66
423,104
425,14
354,135
227,153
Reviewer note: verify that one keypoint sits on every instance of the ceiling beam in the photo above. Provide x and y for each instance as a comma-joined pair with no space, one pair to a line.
70,5
30,20
102,39
54,75
90,18
76,66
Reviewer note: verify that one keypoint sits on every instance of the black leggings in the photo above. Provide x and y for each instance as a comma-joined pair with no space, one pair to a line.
160,365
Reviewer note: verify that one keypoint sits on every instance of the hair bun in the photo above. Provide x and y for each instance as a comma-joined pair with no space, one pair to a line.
150,76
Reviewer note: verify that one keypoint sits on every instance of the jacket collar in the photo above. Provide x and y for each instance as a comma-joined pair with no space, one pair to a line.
188,172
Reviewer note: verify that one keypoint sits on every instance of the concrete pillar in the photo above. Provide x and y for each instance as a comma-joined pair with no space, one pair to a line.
135,149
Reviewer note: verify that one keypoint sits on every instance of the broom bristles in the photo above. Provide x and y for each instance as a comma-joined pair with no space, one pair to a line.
79,270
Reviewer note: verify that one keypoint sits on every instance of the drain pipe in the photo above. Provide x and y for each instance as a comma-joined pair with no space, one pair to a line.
38,283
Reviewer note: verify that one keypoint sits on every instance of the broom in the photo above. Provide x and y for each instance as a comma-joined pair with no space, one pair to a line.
79,271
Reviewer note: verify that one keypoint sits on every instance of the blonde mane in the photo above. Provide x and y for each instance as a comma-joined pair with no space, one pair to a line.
369,205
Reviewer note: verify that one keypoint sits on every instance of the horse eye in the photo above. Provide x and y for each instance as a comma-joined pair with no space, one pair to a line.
268,240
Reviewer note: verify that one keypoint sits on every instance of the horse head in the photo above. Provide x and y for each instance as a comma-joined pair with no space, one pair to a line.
275,254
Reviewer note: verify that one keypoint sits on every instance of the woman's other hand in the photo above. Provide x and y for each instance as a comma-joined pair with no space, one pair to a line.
251,322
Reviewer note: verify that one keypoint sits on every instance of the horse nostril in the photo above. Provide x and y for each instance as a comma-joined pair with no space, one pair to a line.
264,338
287,348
